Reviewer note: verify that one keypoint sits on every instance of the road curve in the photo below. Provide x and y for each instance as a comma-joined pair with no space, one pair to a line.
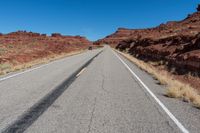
105,97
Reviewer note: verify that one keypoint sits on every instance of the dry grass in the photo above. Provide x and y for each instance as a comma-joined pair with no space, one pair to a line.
7,67
175,88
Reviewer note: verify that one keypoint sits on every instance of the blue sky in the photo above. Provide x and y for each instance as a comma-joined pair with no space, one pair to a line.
91,18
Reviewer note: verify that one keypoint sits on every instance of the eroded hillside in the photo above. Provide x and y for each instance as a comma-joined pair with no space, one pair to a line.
22,47
176,44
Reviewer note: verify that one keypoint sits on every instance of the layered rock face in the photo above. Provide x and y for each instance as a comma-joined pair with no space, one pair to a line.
20,47
175,43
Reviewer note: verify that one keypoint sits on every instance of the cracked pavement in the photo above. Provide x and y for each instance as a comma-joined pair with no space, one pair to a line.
92,115
103,99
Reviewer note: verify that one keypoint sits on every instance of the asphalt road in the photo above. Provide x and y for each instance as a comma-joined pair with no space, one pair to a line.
110,95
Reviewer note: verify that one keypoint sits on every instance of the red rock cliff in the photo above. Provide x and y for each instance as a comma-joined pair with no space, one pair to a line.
177,43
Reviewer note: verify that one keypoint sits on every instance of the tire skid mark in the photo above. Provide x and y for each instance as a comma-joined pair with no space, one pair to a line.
33,113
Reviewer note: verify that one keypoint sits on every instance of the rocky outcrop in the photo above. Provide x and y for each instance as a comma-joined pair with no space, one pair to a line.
56,35
198,8
115,38
177,43
21,46
23,33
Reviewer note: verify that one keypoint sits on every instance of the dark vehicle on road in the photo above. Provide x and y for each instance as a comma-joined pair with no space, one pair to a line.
90,48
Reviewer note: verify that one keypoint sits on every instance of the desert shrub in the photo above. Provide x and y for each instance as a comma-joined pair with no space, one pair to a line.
5,66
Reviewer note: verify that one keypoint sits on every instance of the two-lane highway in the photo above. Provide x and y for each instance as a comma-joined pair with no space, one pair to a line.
106,97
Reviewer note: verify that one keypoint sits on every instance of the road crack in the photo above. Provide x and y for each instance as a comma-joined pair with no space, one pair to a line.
103,83
92,115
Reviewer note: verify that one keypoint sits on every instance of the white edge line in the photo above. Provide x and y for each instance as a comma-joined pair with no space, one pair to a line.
179,125
20,73
31,69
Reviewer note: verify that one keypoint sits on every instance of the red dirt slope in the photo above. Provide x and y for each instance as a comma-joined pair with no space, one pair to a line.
21,47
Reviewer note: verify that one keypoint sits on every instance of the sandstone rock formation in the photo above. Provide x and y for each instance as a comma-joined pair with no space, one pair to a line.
21,46
115,38
175,43
198,8
56,35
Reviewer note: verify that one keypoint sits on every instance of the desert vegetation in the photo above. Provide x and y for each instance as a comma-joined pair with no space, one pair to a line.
175,88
